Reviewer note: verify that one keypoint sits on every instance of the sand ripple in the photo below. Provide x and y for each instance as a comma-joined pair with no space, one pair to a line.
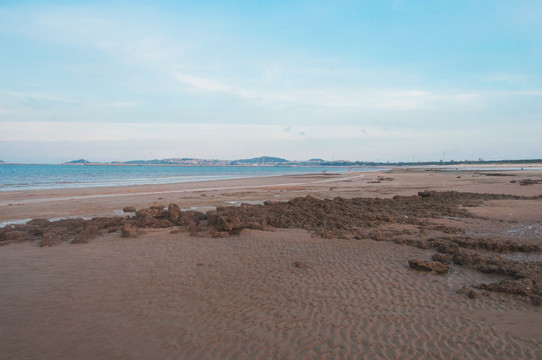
170,296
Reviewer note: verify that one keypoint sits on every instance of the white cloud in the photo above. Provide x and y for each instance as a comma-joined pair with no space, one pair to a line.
331,96
203,84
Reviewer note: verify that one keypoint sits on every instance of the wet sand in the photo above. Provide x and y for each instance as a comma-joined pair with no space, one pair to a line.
107,201
279,293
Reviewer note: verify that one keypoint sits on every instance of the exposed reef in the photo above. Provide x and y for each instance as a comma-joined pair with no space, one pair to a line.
409,220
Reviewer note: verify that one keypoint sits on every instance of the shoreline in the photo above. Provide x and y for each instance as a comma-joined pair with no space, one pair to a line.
101,195
191,178
109,200
64,180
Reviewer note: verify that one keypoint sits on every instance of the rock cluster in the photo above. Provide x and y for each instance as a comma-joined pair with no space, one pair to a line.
360,218
49,233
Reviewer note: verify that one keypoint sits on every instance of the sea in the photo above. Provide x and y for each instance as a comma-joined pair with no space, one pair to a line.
18,177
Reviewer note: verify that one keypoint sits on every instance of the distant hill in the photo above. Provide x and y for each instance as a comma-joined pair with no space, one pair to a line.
263,160
80,161
175,161
2,162
276,161
266,160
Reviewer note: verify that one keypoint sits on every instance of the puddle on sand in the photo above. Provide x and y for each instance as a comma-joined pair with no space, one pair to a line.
251,202
506,230
523,257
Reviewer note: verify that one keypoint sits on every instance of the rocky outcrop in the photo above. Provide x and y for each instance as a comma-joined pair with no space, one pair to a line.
402,219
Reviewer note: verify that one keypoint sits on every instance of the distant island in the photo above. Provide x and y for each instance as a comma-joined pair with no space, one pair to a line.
76,162
276,161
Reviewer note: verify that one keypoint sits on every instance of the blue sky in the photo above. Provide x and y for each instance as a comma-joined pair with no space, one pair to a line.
353,80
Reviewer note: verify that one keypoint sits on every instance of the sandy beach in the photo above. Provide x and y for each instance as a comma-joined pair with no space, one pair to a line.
321,271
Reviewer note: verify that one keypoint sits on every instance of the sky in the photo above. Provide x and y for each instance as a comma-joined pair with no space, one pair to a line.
338,80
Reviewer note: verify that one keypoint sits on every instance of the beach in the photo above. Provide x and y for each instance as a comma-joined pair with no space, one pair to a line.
287,267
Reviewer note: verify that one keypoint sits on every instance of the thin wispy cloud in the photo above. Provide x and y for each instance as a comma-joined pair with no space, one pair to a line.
504,78
213,86
53,98
38,96
332,97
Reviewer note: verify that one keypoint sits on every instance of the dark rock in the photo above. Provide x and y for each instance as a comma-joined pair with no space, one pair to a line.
192,228
377,236
300,265
69,225
39,222
156,212
526,182
174,213
468,258
424,193
54,236
441,257
106,222
495,245
86,235
448,247
219,234
469,292
155,218
536,300
426,265
15,236
129,209
131,231
518,286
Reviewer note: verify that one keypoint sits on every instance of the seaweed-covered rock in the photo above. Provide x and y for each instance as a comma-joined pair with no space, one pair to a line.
39,222
15,236
448,247
442,257
192,216
300,264
86,235
156,211
517,286
130,231
173,213
54,236
471,294
426,265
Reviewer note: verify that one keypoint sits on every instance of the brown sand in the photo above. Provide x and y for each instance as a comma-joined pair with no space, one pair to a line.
163,295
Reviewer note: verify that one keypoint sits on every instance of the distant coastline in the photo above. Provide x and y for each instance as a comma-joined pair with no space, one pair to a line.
275,161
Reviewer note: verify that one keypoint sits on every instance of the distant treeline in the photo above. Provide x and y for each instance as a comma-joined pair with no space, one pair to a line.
453,162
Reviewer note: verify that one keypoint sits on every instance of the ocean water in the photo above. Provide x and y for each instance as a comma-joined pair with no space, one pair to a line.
38,177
